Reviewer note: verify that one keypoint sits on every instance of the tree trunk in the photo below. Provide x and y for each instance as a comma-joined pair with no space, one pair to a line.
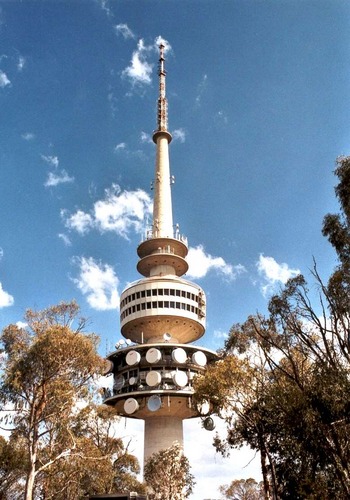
29,490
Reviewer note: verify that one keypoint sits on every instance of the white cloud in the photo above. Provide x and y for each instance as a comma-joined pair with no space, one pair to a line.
179,135
21,324
21,63
273,273
98,282
146,137
4,81
6,299
119,212
80,221
105,7
160,40
65,239
53,161
56,179
139,71
200,263
219,334
201,89
124,30
28,136
120,146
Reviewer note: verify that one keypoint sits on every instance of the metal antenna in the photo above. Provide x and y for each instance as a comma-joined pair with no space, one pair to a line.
162,101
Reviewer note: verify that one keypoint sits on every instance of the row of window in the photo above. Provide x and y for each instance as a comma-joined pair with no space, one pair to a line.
160,305
159,291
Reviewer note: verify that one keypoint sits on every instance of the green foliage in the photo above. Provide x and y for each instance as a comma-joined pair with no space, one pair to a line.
167,475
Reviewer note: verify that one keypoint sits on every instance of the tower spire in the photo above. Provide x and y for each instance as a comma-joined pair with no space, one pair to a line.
162,225
162,122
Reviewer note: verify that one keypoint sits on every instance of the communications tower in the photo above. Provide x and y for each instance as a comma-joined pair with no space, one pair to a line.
160,315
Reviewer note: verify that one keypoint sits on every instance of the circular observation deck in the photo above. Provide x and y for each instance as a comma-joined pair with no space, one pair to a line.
175,246
152,307
162,252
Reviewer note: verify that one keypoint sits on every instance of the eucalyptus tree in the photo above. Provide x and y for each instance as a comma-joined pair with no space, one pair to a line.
167,475
67,444
294,407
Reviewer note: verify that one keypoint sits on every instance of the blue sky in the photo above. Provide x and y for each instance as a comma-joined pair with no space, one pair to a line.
258,94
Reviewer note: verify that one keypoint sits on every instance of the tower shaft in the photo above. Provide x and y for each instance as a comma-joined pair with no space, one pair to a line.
162,226
162,206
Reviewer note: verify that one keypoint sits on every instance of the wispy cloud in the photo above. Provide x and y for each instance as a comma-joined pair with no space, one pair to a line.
53,161
273,274
58,176
139,71
200,263
120,146
179,135
65,239
98,282
146,138
105,7
125,31
21,63
120,212
160,40
54,179
201,88
4,80
28,136
80,221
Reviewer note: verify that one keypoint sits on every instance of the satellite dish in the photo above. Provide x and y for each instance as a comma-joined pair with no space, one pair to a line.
154,403
180,378
128,342
153,355
179,355
121,342
132,358
118,382
130,406
199,358
166,337
153,378
208,424
204,407
132,380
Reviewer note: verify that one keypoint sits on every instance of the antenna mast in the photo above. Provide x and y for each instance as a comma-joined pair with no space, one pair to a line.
162,101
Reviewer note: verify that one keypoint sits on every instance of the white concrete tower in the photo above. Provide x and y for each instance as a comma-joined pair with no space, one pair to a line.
160,315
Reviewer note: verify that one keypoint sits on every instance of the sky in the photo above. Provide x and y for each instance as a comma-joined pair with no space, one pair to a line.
258,94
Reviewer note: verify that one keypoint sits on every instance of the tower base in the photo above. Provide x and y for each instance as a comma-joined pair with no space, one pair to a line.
161,433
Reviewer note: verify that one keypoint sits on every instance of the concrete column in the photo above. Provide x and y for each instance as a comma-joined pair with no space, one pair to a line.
161,433
162,207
